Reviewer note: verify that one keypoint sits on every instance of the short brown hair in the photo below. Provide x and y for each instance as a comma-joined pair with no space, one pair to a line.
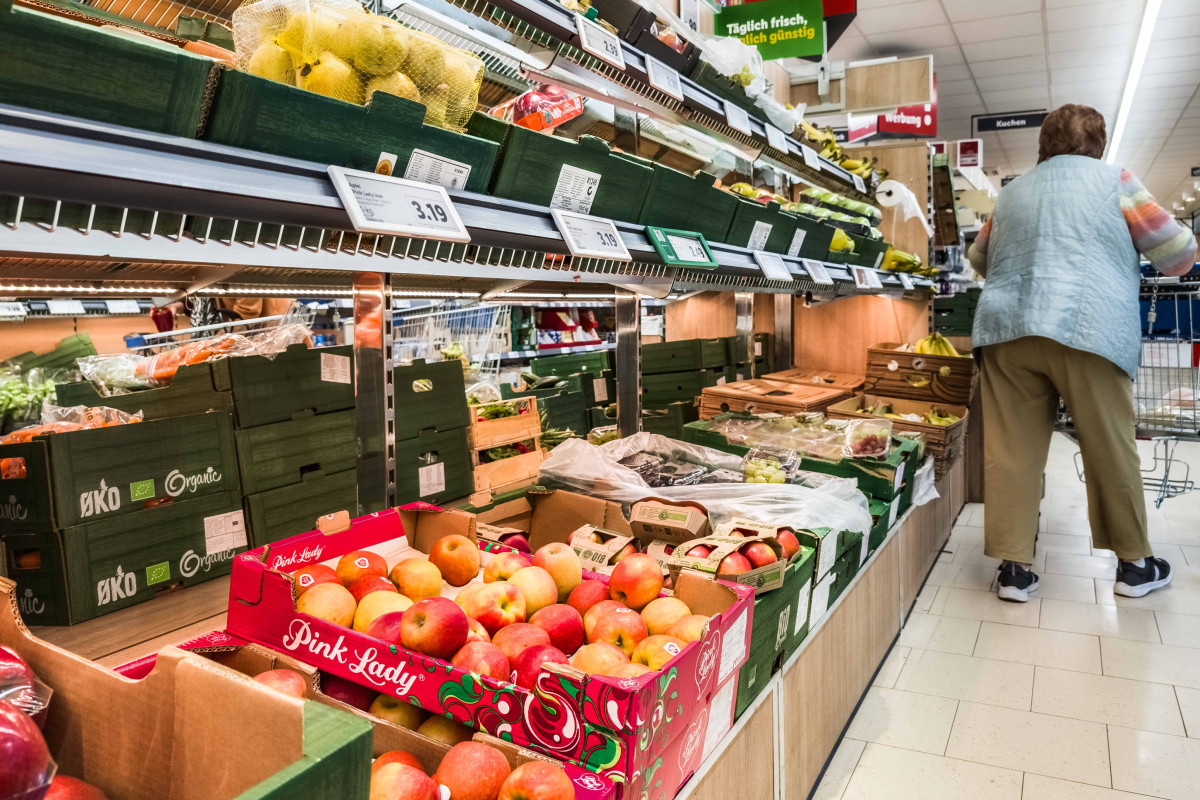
1072,130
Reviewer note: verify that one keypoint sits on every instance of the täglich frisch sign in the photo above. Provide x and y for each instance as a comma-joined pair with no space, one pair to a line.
778,28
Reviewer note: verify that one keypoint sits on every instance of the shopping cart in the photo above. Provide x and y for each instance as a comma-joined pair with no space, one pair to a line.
478,335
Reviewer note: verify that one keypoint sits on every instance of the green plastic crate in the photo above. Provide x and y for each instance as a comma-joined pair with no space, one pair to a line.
190,392
570,383
295,383
668,420
725,88
811,238
688,202
92,569
867,252
683,355
289,510
545,366
430,396
261,114
750,215
434,466
598,388
566,410
658,390
281,454
64,355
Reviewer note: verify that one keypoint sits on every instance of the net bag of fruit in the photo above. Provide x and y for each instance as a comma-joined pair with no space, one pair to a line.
336,48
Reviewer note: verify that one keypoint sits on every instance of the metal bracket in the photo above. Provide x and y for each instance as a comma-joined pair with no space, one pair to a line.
628,361
374,391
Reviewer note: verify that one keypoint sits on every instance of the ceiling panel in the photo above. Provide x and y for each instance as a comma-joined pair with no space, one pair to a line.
1005,48
1016,99
1009,66
1005,27
1090,57
947,55
1104,73
1020,80
1111,36
901,17
1094,15
948,89
964,10
951,72
917,40
1177,8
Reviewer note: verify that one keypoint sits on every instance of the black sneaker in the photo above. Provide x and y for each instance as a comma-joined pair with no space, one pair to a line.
1016,582
1135,581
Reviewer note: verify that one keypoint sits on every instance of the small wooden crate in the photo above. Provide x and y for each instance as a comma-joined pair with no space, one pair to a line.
488,433
759,396
936,379
819,377
506,474
943,442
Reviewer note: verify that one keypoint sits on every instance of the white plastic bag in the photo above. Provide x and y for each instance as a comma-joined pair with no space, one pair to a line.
925,488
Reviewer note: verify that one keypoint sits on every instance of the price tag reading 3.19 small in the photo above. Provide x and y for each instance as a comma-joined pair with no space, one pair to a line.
773,267
737,117
664,78
906,282
812,159
391,205
777,139
858,183
594,237
816,270
599,41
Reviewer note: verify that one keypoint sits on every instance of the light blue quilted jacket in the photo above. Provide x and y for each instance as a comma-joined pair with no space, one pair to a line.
1061,263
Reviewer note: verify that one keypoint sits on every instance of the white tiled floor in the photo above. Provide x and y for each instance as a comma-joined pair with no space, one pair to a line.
1076,695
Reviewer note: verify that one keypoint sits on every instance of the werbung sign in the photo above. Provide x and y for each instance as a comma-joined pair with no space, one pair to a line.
970,153
918,120
777,28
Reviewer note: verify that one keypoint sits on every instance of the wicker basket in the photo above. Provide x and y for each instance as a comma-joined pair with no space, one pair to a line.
936,379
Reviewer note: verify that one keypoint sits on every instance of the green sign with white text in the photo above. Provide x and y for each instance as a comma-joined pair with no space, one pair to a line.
778,28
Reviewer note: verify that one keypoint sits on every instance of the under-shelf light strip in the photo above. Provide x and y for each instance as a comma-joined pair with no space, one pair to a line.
33,289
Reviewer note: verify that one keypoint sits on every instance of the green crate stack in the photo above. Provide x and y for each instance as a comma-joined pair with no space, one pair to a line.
811,239
867,252
433,448
684,355
764,354
566,411
955,315
63,356
688,202
670,387
668,420
545,366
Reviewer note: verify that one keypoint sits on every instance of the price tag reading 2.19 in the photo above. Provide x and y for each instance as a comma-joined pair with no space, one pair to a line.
687,248
594,237
599,41
389,205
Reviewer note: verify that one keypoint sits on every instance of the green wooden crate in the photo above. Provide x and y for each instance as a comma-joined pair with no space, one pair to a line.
670,387
545,366
688,202
282,453
750,216
598,388
68,67
92,569
83,476
683,355
569,383
430,396
434,466
668,420
261,114
289,510
532,164
566,410
190,392
811,238
867,252
298,382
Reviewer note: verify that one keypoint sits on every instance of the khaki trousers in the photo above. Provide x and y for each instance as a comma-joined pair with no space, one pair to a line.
1021,382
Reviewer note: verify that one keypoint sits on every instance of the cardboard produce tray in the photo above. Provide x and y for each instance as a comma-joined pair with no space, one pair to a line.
943,442
937,379
819,377
760,396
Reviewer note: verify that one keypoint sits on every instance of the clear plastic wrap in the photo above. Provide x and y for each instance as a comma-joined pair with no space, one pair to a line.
26,767
868,438
336,48
60,419
764,464
597,470
925,488
737,60
19,685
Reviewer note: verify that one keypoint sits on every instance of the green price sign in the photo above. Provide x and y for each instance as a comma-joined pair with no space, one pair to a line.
681,248
778,28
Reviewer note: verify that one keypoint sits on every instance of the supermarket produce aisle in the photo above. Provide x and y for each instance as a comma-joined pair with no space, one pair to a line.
1076,695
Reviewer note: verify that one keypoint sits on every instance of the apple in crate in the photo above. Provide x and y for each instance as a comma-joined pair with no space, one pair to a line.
478,632
64,787
699,551
586,595
310,576
629,670
417,578
598,658
472,771
331,602
517,638
457,557
484,658
24,758
348,692
537,586
564,566
375,605
636,581
530,662
654,651
372,583
402,782
445,730
663,612
398,712
287,681
396,757
790,544
690,628
622,627
359,564
759,554
733,564
537,780
594,614
501,566
495,605
563,624
435,626
517,541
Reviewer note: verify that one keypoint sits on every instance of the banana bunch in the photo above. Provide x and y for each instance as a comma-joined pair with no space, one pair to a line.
898,261
937,416
936,345
841,243
862,169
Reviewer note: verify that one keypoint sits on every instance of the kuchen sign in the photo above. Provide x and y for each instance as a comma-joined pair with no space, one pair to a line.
778,28
1009,122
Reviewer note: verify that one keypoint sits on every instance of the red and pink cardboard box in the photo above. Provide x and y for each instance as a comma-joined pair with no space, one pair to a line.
647,733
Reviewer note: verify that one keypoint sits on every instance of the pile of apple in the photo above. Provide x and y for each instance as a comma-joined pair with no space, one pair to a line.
751,555
524,613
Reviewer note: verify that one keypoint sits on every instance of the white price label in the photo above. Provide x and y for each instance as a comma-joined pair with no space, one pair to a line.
687,248
797,242
860,277
599,41
123,306
591,236
898,481
424,167
12,312
820,598
335,368
878,260
812,159
431,479
721,381
71,307
224,532
773,268
816,270
739,377
576,190
664,78
737,117
802,606
863,547
600,389
873,279
758,345
386,204
777,139
720,718
733,647
858,182
759,235
906,282
893,513
689,12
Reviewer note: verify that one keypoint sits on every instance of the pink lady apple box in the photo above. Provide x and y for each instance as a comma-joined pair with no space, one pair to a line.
642,732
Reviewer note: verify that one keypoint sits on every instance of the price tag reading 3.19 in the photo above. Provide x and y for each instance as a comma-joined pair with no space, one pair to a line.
599,41
664,78
390,205
595,237
816,270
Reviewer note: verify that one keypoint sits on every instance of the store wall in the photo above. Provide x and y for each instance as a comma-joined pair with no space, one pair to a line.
909,164
712,314
41,334
835,336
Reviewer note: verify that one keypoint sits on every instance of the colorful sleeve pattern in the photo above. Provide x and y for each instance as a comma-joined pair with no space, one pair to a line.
1169,246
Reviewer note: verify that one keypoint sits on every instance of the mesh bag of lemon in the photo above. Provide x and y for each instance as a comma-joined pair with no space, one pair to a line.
338,49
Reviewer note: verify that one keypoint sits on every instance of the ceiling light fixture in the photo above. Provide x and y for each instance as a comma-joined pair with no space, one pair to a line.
1145,32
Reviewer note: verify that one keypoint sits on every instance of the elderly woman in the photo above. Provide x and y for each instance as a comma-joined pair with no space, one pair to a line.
1059,317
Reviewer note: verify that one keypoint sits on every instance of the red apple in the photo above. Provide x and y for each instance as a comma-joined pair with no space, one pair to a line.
586,595
388,626
564,566
517,638
358,564
478,632
655,651
517,541
396,757
759,554
690,628
445,730
629,670
472,771
598,658
791,545
310,576
663,612
622,627
398,712
594,614
417,578
501,566
331,602
636,581
699,551
733,564
457,557
64,787
530,662
537,780
375,605
563,624
23,753
435,626
483,658
348,692
402,782
372,583
628,549
537,586
287,681
495,605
